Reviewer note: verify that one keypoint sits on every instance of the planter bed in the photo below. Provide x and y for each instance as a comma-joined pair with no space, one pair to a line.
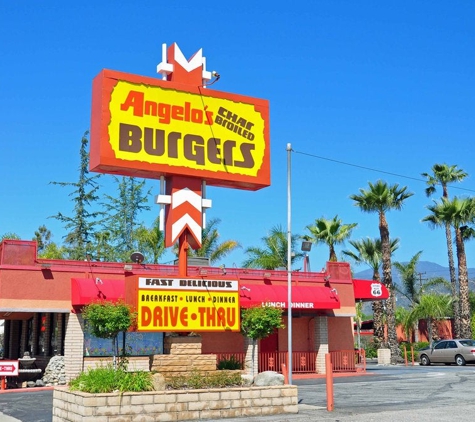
173,405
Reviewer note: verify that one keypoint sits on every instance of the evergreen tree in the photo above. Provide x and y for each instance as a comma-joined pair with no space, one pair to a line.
80,225
122,215
43,238
9,236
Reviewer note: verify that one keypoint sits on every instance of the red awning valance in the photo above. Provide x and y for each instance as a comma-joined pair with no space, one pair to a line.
88,290
369,290
304,298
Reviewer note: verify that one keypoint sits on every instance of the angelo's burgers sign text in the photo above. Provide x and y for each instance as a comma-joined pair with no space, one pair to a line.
151,128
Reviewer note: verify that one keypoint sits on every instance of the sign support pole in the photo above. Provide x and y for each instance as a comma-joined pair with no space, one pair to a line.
183,254
289,262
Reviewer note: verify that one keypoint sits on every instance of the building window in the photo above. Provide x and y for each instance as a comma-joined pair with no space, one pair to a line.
57,334
43,343
136,344
29,341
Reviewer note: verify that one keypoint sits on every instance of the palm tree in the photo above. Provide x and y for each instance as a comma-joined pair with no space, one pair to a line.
211,247
151,241
408,274
368,251
443,174
274,253
330,232
380,198
412,285
405,320
431,307
457,212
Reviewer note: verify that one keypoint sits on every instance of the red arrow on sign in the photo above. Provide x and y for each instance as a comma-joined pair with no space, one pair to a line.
184,214
7,368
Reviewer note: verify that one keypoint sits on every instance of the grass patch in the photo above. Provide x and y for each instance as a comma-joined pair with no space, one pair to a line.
231,363
106,379
200,380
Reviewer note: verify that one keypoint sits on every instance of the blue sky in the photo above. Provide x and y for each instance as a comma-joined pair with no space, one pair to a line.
386,86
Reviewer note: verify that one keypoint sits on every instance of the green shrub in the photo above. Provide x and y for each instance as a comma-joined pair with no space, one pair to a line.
371,351
231,363
421,345
200,380
106,379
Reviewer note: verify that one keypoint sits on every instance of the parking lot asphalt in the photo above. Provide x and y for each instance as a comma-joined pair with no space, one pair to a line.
389,393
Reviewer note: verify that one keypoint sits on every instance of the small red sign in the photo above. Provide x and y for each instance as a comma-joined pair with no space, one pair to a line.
9,368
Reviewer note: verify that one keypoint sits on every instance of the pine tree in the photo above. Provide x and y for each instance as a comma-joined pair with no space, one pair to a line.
81,224
122,215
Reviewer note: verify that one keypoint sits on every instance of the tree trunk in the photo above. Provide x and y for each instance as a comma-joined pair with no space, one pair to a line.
388,281
429,330
378,325
333,257
254,341
415,330
465,326
453,282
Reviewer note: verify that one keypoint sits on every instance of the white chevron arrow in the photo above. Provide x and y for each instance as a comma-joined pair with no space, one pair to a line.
186,195
184,221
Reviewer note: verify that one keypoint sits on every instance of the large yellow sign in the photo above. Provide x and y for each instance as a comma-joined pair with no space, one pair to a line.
147,127
177,310
187,304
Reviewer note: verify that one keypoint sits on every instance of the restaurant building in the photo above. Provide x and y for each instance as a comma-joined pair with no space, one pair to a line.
41,301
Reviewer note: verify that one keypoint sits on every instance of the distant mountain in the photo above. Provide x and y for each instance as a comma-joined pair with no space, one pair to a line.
426,270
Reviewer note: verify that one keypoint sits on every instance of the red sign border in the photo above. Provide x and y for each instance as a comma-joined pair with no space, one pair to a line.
102,157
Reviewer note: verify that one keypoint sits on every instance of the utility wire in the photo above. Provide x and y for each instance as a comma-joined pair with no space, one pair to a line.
375,170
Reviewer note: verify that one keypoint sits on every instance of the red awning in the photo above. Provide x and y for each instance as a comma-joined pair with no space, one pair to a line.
304,298
88,290
369,290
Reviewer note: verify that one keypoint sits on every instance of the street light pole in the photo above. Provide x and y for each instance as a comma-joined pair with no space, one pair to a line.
289,263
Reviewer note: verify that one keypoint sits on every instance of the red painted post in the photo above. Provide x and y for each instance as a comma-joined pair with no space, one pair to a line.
285,373
183,255
412,354
405,355
3,383
329,379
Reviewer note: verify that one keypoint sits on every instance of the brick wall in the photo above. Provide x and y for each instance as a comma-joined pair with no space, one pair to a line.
321,342
73,346
136,363
182,355
174,405
250,365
